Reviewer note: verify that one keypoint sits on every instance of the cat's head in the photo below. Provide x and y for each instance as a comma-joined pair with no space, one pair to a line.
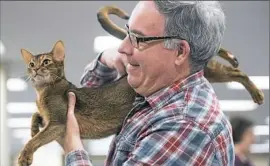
46,68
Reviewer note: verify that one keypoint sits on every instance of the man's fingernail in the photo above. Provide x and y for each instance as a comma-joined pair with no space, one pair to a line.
70,94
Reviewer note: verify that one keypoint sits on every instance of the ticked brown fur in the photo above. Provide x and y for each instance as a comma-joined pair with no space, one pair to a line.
99,111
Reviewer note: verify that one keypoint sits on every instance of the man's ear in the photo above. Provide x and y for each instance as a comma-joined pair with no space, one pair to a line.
183,52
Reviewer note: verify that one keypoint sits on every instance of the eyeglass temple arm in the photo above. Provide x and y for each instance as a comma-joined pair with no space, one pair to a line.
144,39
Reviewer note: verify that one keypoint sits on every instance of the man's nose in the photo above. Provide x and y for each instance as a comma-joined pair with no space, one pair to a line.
126,47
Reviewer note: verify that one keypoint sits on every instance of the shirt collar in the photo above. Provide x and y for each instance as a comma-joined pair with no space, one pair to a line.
159,98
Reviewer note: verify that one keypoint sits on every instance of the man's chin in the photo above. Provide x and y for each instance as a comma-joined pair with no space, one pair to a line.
133,82
136,85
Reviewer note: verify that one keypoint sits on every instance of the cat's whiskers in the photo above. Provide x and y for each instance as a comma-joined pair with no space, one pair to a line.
56,75
54,68
28,78
22,76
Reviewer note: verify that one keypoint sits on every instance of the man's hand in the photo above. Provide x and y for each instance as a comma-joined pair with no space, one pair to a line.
114,60
72,138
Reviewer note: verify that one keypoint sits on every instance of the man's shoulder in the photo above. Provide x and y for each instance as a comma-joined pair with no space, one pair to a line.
198,104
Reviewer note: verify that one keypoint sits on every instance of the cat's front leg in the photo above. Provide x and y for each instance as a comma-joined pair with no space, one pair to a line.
37,121
51,132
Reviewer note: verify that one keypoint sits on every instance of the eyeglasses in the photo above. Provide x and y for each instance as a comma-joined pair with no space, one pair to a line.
135,39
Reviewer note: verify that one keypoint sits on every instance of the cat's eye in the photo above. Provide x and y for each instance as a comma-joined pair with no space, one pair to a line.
31,64
46,62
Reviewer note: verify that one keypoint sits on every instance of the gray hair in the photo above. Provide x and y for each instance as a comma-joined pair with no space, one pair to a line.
200,23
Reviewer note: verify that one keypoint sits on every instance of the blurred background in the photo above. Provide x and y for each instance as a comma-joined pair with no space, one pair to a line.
36,26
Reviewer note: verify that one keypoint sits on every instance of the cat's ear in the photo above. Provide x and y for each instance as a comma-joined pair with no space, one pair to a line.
27,56
59,51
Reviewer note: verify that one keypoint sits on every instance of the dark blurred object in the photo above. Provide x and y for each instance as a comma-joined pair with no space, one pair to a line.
243,137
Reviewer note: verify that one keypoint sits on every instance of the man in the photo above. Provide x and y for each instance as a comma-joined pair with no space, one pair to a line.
179,121
243,138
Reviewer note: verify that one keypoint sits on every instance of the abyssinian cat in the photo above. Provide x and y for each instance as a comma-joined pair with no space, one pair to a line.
99,111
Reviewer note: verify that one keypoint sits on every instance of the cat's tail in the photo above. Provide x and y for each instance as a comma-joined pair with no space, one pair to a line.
108,25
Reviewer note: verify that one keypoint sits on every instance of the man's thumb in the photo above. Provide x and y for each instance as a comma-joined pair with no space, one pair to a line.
71,102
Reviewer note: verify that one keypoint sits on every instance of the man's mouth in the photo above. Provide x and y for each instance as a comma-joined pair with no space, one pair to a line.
133,64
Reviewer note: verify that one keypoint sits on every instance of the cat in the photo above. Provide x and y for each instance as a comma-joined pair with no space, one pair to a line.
215,72
99,111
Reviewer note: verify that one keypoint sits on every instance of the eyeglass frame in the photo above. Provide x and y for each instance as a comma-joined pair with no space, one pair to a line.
148,38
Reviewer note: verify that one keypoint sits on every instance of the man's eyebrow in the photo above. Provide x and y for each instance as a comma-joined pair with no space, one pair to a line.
136,31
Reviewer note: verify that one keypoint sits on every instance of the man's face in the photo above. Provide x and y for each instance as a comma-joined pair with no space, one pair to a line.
151,67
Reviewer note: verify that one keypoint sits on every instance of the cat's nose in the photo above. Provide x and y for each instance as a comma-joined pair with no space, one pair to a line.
40,71
36,69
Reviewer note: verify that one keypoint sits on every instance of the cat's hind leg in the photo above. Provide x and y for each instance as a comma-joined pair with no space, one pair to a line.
217,72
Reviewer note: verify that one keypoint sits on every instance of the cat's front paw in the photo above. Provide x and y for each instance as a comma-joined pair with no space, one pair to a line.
25,158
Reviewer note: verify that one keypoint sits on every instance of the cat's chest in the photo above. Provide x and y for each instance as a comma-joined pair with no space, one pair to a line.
43,108
52,107
47,103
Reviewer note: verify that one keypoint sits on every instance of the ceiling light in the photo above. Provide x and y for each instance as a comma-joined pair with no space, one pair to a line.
21,133
19,122
21,107
261,130
259,148
237,105
16,84
262,82
102,43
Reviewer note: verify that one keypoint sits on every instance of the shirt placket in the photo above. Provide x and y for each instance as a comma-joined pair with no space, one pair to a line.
138,105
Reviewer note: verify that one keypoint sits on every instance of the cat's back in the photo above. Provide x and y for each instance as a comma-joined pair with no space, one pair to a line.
111,97
116,92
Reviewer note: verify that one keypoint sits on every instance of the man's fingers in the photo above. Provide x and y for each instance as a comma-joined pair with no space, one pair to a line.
72,124
72,139
71,102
